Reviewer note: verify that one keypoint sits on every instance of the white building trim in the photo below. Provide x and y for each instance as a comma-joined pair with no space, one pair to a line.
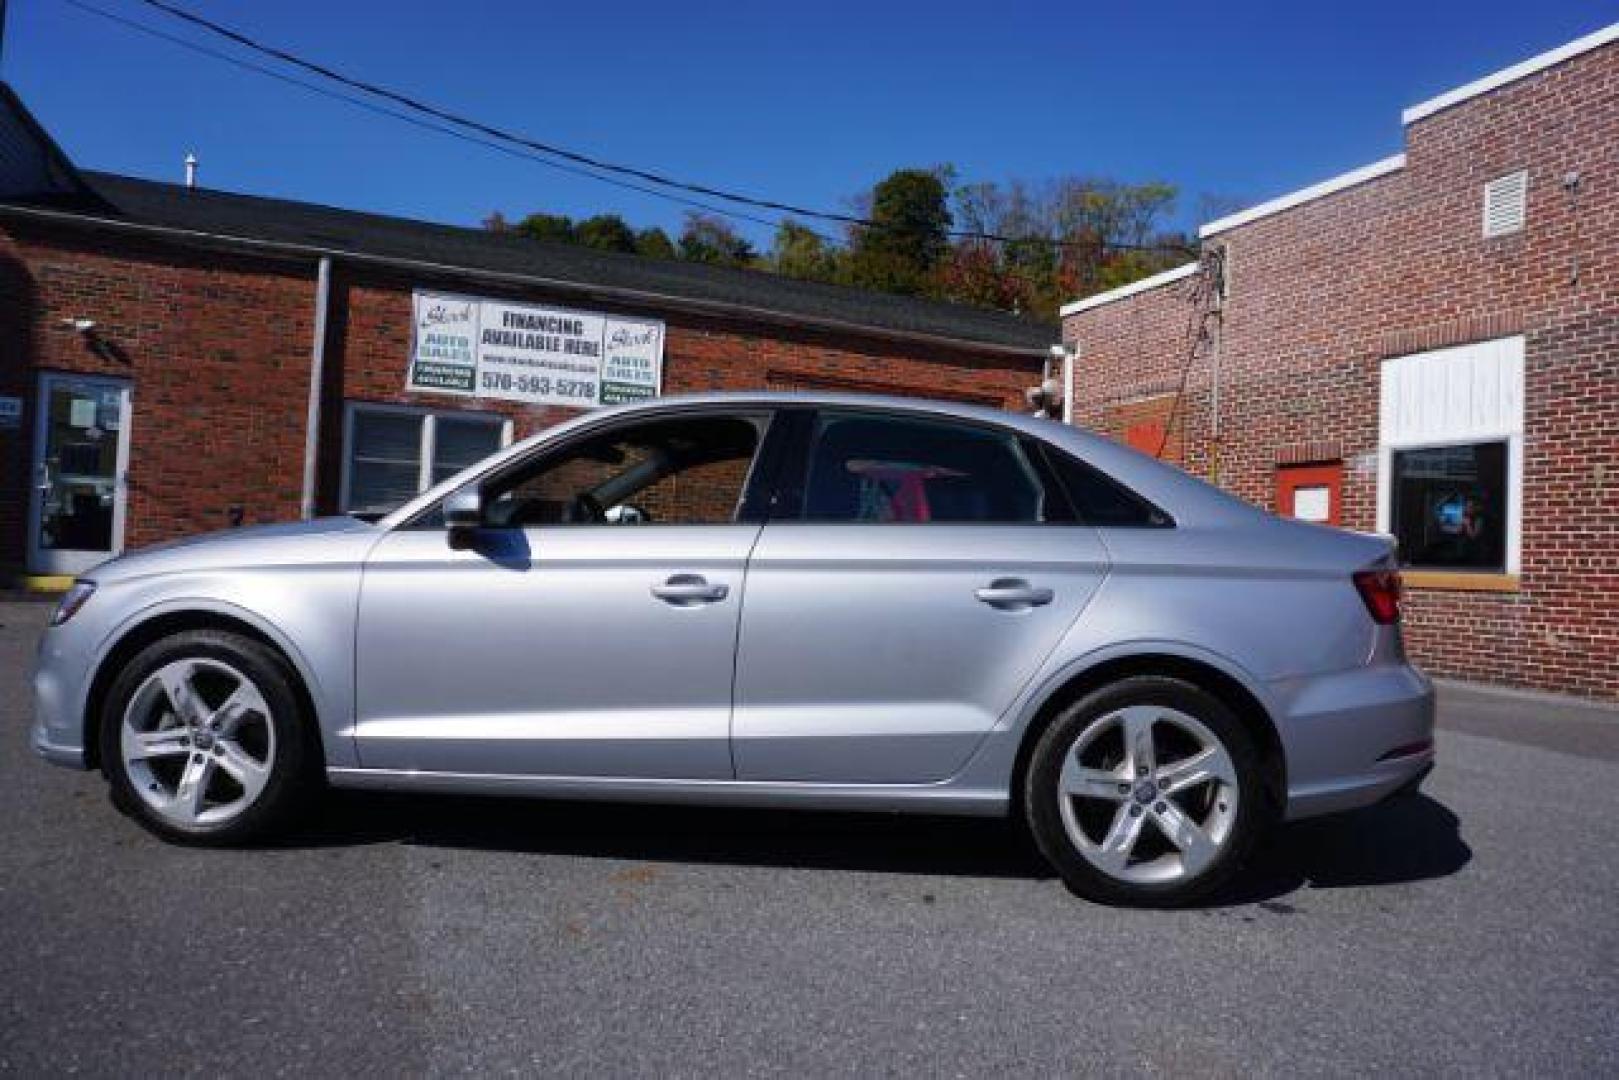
1455,396
1304,195
1534,64
1595,40
1130,290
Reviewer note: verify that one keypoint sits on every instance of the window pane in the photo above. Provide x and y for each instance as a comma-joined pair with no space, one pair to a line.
1450,506
669,472
459,441
899,470
387,436
1101,501
376,487
385,460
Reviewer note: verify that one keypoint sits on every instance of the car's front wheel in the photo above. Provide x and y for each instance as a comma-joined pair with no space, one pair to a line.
202,738
1148,791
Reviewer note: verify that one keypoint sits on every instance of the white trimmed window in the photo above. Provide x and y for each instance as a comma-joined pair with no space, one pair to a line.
391,453
1450,457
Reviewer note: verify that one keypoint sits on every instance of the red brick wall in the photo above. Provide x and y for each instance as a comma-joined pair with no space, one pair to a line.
1321,293
698,355
218,349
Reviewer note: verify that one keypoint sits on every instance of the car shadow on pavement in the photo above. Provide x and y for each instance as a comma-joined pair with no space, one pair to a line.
890,843
1408,839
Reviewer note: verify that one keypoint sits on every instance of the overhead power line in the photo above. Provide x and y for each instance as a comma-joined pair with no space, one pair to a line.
414,121
441,129
591,162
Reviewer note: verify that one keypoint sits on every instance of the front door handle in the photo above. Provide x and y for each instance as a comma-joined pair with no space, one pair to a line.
689,590
1013,594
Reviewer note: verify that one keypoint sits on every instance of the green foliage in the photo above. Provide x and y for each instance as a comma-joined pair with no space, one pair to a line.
605,231
712,240
800,252
556,227
654,243
1069,237
909,237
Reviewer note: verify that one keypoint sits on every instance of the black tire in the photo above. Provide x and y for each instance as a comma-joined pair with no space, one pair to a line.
1042,806
293,765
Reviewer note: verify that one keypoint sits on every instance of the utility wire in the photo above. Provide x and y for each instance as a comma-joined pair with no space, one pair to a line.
1204,293
660,180
490,144
414,121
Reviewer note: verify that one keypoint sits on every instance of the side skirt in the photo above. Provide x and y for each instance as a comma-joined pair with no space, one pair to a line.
909,798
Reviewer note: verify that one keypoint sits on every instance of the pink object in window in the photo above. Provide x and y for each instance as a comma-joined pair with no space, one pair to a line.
903,485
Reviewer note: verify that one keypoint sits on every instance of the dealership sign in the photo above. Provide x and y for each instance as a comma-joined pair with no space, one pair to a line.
537,355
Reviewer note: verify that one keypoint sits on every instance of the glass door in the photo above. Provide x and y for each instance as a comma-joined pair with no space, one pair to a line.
81,453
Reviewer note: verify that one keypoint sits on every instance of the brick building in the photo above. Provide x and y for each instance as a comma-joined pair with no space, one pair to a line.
174,359
1427,346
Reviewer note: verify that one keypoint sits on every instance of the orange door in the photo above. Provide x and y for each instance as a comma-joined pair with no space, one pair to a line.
1311,492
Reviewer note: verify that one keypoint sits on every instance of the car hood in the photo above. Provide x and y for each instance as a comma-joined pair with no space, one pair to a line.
334,539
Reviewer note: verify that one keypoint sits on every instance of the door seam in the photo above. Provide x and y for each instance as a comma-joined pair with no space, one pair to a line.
736,646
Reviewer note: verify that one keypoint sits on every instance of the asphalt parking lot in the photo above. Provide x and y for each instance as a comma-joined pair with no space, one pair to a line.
1472,930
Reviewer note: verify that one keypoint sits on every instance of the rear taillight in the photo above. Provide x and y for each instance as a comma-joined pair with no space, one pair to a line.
1381,591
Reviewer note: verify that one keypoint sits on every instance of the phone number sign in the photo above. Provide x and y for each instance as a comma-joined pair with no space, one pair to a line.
538,355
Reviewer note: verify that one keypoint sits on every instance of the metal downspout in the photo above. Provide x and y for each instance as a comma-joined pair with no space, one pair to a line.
317,380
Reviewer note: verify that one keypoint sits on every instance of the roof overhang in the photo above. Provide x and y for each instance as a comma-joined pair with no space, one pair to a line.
286,251
1595,40
1531,66
1338,183
1165,278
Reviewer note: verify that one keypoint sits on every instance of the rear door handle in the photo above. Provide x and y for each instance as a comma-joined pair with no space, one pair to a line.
1013,594
689,590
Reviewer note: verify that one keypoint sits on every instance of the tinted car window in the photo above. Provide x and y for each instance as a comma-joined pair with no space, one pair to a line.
878,469
670,471
1099,500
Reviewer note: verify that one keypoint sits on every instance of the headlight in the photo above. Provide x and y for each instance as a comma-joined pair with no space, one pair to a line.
72,601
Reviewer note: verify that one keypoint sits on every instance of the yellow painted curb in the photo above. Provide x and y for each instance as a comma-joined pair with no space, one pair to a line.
47,582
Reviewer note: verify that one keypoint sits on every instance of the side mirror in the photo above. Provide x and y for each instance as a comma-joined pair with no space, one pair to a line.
463,510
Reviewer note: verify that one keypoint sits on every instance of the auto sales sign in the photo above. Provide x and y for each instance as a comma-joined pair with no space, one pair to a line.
538,355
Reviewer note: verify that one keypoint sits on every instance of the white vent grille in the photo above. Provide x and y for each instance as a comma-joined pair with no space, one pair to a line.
1505,199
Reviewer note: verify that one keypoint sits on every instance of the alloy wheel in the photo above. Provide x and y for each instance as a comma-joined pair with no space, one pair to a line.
198,742
1148,794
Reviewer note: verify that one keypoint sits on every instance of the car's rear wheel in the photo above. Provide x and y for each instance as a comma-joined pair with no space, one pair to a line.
203,740
1148,791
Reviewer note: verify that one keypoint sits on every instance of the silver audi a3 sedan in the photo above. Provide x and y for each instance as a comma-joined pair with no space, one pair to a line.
823,601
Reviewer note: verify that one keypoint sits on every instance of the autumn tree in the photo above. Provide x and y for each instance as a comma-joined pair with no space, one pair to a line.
1063,239
1014,245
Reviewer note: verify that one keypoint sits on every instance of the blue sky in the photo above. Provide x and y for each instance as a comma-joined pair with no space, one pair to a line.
806,103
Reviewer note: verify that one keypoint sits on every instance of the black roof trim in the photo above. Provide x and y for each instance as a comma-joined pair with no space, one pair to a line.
67,183
474,251
205,217
200,216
